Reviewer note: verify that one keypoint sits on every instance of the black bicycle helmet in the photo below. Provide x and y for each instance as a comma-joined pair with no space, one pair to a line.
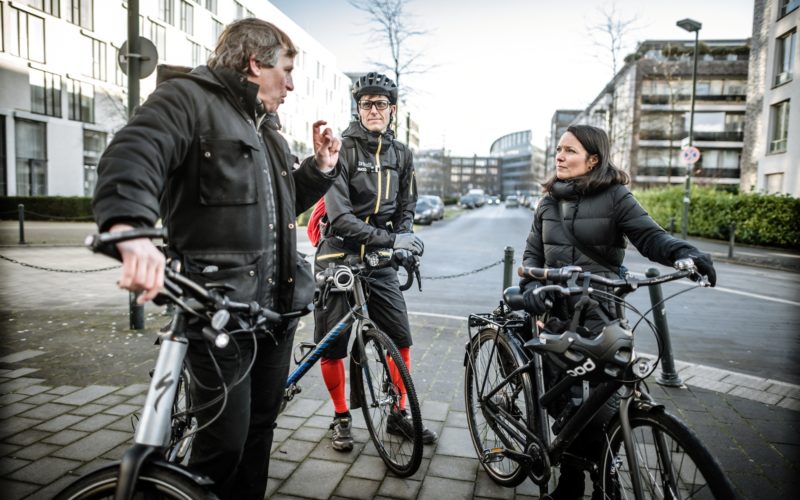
587,355
375,84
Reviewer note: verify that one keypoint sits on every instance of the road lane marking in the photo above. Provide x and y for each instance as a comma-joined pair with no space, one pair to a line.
746,294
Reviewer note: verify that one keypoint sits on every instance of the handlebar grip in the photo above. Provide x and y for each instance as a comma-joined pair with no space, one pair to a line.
106,243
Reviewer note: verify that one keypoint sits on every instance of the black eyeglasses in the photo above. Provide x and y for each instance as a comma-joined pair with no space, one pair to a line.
379,105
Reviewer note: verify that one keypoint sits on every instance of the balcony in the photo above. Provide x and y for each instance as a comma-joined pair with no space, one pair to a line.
677,135
680,171
686,98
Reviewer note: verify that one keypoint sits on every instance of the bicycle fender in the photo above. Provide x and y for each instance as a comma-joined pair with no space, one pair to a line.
132,462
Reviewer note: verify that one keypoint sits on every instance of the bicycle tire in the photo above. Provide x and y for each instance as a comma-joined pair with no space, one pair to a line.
658,437
183,422
484,361
379,396
154,482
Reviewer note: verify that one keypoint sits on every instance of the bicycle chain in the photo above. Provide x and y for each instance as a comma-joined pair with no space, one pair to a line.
52,269
459,275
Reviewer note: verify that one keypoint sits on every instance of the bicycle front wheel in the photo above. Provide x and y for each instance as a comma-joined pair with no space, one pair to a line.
400,446
671,461
154,482
183,423
490,359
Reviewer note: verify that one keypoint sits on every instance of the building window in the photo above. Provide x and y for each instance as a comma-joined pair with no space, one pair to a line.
80,100
166,12
81,12
212,6
52,7
788,6
779,127
158,35
99,62
187,17
93,145
784,57
773,183
3,187
196,53
30,36
45,93
216,31
31,146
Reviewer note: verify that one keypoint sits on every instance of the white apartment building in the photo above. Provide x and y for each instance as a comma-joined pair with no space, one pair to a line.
63,95
771,152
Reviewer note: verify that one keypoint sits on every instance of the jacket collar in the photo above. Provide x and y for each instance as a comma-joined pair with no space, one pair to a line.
367,138
564,190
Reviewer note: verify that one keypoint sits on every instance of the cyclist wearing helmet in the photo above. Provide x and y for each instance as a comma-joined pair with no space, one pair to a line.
584,219
371,205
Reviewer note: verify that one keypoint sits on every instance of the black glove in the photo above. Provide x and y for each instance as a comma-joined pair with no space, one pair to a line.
404,258
702,261
536,303
408,241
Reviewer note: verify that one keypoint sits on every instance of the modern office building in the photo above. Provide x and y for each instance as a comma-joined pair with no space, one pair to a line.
520,161
771,152
646,110
64,95
561,119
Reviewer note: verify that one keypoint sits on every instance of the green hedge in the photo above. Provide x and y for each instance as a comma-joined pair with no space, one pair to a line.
66,208
761,219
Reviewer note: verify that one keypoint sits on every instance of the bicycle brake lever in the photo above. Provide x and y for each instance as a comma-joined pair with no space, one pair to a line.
419,278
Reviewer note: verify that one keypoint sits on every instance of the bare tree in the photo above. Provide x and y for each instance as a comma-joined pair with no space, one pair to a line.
610,33
391,25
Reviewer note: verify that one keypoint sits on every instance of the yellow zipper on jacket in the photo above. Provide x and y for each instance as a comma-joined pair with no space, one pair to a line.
378,197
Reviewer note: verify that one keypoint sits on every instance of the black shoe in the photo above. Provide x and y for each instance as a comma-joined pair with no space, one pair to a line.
400,424
342,437
570,485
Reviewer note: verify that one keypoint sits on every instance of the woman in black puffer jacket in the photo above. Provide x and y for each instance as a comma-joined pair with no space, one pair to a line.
585,219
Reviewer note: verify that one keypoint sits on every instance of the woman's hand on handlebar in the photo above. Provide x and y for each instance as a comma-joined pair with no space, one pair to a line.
142,265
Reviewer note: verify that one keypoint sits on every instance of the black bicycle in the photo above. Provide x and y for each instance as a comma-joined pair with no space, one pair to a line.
647,452
377,392
151,468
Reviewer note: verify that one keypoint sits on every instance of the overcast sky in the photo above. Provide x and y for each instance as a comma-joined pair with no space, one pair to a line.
507,65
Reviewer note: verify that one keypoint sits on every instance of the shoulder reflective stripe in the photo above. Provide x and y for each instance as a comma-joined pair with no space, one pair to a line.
331,256
411,184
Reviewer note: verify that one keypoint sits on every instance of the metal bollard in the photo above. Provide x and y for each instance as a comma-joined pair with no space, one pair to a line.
668,376
21,216
732,229
508,266
672,225
136,312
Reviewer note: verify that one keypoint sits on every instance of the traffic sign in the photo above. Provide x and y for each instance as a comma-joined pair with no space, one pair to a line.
148,57
690,155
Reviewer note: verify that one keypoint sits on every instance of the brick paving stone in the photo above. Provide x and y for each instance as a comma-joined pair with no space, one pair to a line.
64,437
35,451
784,389
464,469
314,434
14,490
45,471
750,381
302,407
14,385
93,445
61,422
288,422
133,390
353,487
399,488
367,467
64,389
33,390
86,395
48,411
281,469
40,399
90,409
326,476
121,410
94,423
52,489
110,400
20,356
20,372
790,404
27,437
322,422
7,399
294,450
443,488
705,372
137,401
712,385
485,487
92,466
15,409
456,419
324,451
124,424
434,410
755,395
10,464
14,425
455,442
8,449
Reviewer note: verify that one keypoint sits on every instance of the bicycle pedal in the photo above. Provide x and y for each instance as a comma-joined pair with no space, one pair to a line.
493,455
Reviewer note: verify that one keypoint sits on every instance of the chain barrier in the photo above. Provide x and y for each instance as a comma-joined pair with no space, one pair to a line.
56,217
52,269
459,275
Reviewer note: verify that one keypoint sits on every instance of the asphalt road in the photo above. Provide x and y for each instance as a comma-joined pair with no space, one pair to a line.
746,324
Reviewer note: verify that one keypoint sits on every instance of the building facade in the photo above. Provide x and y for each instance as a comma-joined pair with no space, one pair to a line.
646,110
561,119
515,151
64,94
771,152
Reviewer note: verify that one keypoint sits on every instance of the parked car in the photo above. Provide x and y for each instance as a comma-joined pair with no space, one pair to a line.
436,203
494,200
424,213
468,201
512,201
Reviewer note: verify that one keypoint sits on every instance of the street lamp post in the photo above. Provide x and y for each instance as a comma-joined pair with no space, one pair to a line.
690,25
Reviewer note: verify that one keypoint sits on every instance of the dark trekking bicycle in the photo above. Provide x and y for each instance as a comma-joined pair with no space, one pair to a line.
647,451
150,468
373,352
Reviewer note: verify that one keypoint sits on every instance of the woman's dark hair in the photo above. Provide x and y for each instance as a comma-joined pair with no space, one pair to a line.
595,141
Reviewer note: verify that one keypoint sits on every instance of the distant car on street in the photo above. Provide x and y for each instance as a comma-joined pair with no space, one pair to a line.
436,203
494,200
512,201
468,201
424,213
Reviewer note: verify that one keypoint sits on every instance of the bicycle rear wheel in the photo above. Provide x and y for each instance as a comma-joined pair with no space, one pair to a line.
154,482
488,363
380,396
672,461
